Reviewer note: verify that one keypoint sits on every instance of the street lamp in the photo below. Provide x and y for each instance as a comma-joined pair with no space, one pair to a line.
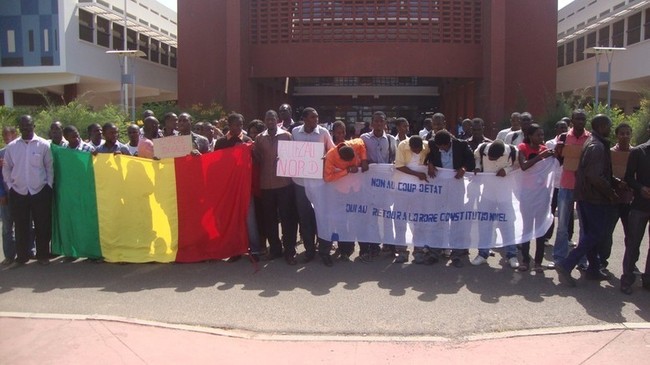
128,77
603,76
128,74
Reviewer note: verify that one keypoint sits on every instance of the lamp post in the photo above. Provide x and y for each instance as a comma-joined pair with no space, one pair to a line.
128,74
603,76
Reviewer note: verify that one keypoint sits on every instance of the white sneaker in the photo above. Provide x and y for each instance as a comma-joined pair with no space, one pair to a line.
478,260
514,263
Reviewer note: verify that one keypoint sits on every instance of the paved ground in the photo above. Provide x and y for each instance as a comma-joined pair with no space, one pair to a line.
350,300
70,341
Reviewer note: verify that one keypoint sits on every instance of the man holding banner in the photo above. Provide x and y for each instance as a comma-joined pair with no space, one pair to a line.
450,153
380,148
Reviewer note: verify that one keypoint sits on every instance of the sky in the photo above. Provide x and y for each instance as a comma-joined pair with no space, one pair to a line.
172,3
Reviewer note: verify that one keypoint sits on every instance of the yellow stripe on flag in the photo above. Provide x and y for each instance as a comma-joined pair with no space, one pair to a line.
137,208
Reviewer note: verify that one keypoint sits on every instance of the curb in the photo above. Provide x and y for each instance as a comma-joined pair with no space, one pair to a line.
263,336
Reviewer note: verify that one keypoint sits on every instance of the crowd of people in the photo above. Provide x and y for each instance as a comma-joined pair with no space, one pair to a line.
281,202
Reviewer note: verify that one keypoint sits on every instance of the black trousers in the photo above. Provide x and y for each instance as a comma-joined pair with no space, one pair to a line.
280,203
25,208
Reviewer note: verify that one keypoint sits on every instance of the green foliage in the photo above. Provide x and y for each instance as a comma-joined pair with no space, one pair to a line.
640,122
210,112
9,116
563,106
158,108
556,109
199,112
81,116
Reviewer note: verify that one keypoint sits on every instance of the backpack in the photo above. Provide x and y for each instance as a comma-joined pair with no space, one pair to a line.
483,146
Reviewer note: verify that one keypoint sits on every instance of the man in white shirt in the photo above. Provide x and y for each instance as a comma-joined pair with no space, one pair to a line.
426,128
516,137
310,131
29,176
514,126
500,159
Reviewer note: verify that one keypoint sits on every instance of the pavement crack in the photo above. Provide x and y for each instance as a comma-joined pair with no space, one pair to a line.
124,343
603,346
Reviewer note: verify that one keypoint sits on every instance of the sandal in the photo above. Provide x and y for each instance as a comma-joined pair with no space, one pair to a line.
523,267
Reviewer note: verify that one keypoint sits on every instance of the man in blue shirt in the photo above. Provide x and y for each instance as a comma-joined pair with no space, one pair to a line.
381,147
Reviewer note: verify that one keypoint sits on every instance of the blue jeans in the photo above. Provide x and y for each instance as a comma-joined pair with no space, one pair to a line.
511,251
8,238
595,228
564,209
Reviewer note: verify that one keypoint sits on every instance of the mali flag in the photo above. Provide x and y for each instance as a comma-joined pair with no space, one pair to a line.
130,209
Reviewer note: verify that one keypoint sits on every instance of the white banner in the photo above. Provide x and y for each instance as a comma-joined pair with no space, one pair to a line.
384,205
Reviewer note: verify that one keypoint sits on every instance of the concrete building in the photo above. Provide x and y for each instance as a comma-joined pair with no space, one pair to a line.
348,58
584,24
58,48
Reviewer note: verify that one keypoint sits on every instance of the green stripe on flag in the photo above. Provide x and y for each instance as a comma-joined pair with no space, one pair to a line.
75,228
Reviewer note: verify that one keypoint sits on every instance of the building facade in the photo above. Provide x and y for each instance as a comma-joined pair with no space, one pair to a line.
348,58
58,48
585,24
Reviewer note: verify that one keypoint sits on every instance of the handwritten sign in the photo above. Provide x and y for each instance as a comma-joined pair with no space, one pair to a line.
619,163
174,146
571,153
300,159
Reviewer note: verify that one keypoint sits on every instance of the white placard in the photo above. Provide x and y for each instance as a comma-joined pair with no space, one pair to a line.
300,159
173,146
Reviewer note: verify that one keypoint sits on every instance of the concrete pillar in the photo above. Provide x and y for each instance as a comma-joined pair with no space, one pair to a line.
9,98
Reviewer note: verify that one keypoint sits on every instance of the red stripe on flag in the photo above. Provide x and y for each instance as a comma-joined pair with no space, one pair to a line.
213,193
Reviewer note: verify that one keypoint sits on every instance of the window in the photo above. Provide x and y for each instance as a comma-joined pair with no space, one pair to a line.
56,39
118,36
560,56
580,49
591,42
143,45
603,37
103,33
131,39
30,37
634,28
569,53
86,26
618,34
172,57
155,51
164,54
11,41
646,31
46,40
